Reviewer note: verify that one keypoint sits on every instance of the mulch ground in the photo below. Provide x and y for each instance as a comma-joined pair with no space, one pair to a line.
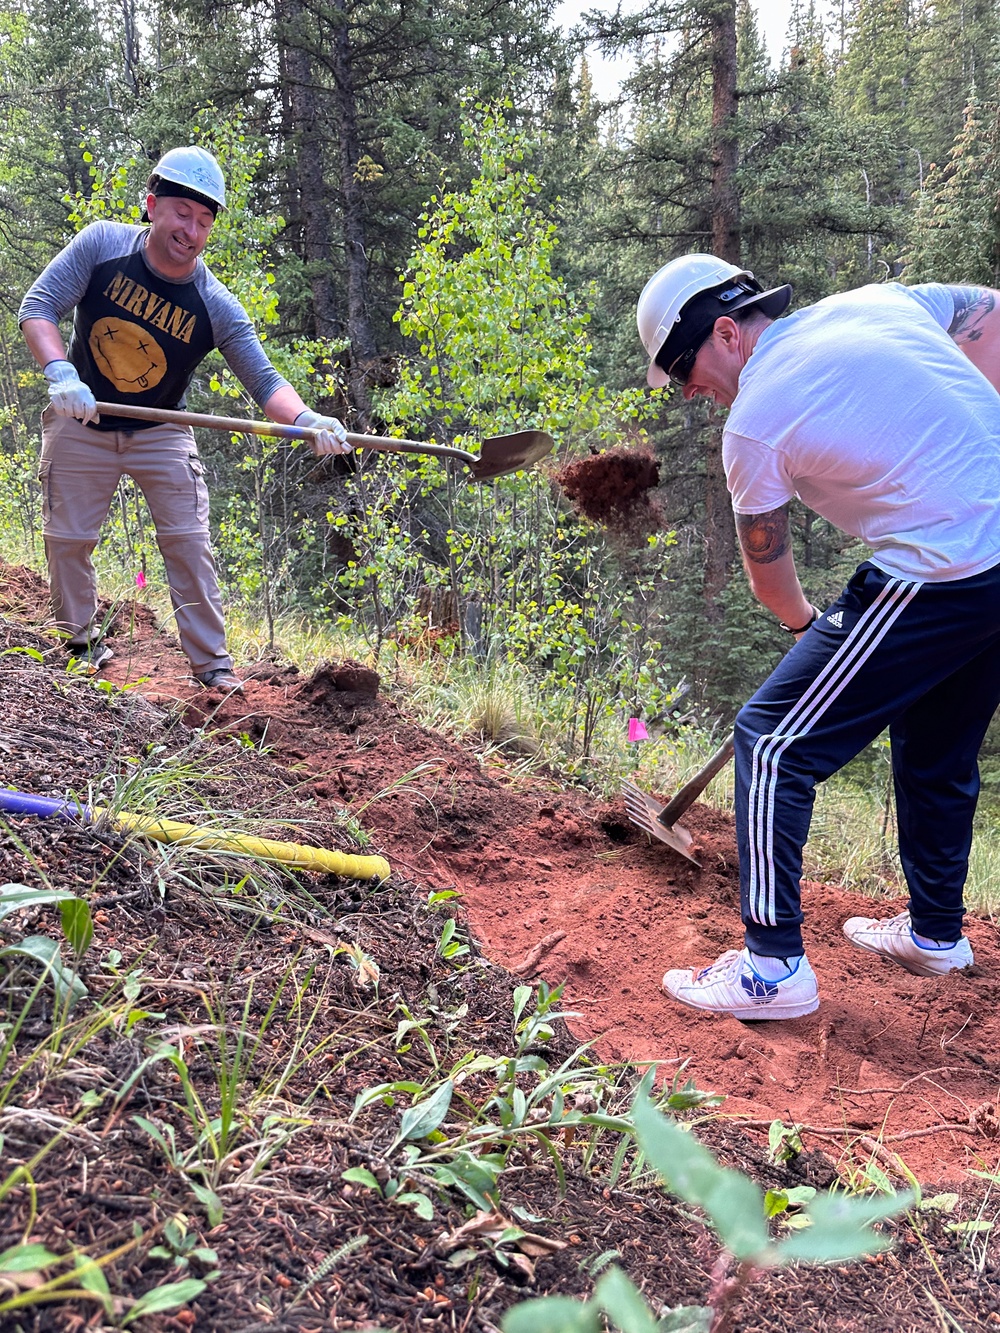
552,885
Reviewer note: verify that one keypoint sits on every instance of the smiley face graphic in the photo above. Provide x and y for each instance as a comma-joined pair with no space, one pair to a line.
127,354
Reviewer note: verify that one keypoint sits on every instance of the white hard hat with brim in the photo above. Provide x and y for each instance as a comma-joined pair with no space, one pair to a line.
680,303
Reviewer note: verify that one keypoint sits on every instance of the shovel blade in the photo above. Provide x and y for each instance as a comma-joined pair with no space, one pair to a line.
644,812
503,454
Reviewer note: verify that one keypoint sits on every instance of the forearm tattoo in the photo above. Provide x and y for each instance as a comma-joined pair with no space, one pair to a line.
972,306
763,537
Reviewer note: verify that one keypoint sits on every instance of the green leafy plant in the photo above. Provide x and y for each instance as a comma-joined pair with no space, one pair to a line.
78,932
835,1227
450,945
784,1142
25,1268
182,1247
394,1189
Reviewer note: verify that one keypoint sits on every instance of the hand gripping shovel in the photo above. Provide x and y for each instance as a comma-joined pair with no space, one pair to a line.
660,821
497,456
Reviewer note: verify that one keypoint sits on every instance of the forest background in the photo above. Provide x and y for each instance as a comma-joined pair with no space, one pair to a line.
441,232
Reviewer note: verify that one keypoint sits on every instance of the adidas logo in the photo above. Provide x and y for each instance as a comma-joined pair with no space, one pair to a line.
757,988
837,620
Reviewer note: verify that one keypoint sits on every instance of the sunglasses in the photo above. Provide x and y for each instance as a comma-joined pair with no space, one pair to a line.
679,369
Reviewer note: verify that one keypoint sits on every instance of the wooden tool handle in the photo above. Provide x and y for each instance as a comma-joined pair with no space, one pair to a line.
382,444
691,790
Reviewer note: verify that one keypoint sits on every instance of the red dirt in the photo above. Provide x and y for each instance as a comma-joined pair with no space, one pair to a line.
887,1054
612,488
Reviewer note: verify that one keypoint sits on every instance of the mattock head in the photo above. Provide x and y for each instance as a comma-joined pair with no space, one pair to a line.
644,811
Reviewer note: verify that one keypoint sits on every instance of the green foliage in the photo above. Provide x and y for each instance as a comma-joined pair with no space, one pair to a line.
732,1202
956,227
78,931
616,1297
834,1227
503,345
182,1247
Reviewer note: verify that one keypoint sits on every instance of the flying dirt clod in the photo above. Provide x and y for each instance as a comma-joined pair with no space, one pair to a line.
613,489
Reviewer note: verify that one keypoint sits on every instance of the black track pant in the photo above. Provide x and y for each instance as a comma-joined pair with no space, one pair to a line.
922,659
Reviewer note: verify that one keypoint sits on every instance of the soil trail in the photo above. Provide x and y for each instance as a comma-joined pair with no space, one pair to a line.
536,866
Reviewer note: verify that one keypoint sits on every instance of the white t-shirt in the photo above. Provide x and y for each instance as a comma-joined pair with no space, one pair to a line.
864,407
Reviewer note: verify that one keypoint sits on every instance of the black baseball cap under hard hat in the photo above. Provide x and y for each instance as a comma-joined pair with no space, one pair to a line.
698,315
164,189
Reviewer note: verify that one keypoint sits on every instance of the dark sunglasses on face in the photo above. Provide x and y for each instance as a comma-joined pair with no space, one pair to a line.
679,370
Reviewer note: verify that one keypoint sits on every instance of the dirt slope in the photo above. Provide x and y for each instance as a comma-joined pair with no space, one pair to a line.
556,885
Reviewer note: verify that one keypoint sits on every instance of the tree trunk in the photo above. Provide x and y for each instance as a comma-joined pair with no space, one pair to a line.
359,324
725,146
305,134
720,535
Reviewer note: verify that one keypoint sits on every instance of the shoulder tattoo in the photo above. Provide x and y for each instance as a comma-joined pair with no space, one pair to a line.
972,305
763,537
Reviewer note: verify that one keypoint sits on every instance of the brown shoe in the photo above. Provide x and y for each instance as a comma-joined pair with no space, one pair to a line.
221,678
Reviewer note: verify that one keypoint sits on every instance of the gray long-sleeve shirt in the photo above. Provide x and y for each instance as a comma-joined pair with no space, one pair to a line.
138,337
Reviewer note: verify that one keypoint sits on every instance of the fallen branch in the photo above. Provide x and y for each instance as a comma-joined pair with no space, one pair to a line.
870,1092
532,958
845,1131
934,1129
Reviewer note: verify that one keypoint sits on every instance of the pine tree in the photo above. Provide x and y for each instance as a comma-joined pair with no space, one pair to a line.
956,229
958,51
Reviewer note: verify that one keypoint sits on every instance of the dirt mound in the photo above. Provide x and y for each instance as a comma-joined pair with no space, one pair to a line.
612,488
556,885
23,594
338,679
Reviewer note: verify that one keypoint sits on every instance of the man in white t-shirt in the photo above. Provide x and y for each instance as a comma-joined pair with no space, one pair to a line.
878,408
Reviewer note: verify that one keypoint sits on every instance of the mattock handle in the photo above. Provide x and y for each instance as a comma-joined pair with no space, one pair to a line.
689,793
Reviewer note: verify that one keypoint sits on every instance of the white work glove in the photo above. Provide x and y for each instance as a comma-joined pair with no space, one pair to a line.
70,396
331,437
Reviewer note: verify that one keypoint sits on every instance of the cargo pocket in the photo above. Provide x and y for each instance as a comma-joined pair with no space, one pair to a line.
197,470
44,480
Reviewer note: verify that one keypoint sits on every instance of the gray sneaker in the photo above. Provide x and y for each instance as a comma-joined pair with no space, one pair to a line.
89,657
893,939
221,678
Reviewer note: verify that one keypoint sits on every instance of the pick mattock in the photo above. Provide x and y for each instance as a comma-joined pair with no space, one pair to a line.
497,456
660,821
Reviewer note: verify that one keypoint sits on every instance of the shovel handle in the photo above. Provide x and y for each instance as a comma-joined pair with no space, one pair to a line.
689,793
382,444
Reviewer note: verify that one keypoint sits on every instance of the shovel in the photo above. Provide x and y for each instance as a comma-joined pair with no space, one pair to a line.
497,456
660,821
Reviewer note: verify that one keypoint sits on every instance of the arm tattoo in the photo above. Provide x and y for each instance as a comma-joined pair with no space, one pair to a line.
972,306
763,537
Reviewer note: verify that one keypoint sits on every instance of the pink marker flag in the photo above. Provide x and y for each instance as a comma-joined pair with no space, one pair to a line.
140,579
637,730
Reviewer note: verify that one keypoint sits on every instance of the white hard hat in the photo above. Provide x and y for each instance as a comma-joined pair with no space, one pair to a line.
194,169
673,322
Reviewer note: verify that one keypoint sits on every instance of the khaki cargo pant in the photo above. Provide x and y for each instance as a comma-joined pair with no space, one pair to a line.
80,470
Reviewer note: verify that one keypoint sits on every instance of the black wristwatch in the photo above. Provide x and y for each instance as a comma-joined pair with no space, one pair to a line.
789,629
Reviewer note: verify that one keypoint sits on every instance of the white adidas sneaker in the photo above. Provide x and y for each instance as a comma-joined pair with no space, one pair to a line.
892,938
731,986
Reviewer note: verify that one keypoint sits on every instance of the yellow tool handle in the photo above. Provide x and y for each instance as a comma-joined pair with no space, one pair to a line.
287,853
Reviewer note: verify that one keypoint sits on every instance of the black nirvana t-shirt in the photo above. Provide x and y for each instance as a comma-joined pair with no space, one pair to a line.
138,337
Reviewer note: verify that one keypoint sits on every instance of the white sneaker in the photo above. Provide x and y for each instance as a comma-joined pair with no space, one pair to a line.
892,938
731,986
